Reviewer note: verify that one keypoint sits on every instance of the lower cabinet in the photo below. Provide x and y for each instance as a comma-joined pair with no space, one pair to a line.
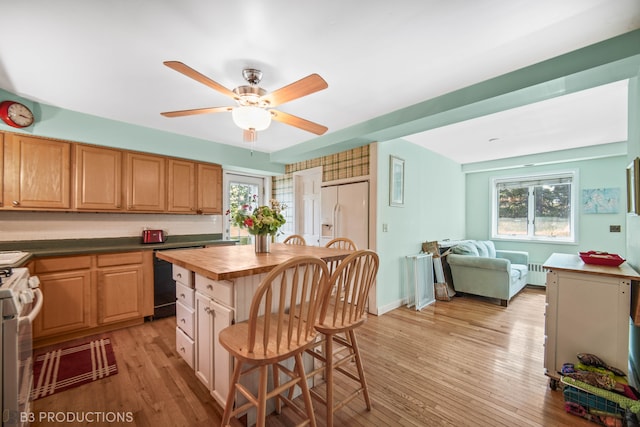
213,312
87,294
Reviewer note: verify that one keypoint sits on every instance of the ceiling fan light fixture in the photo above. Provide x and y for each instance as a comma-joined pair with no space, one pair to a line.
249,117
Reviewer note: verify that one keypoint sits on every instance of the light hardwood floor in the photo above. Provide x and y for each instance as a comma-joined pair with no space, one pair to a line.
468,362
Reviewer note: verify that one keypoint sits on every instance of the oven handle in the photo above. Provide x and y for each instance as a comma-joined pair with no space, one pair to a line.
37,307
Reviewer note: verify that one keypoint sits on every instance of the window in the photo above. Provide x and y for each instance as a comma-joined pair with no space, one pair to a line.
539,207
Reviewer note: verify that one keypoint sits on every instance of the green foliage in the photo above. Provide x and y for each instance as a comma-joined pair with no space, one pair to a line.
261,219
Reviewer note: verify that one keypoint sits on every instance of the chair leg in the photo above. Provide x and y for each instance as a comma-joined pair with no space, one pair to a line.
363,381
328,345
276,384
261,414
306,395
228,407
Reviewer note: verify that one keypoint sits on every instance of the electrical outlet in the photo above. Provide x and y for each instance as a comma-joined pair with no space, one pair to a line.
614,229
385,228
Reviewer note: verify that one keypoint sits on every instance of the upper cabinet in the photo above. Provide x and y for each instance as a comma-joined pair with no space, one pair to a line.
181,186
209,189
45,174
37,173
145,182
98,183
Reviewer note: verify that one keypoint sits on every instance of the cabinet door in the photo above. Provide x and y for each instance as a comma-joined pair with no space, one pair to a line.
67,303
98,178
209,189
145,182
181,186
120,293
204,335
37,173
222,317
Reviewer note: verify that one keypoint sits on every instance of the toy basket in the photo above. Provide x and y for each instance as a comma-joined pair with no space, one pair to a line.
591,401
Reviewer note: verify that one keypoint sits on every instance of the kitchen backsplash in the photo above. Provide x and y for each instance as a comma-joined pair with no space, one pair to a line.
16,226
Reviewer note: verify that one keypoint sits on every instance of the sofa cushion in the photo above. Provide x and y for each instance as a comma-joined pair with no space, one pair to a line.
465,248
521,270
485,248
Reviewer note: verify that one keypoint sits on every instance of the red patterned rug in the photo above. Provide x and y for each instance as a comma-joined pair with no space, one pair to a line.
60,369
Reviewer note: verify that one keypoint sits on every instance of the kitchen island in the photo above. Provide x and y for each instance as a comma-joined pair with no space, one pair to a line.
214,288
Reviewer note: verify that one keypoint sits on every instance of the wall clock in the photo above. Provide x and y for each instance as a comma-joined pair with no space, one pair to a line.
15,114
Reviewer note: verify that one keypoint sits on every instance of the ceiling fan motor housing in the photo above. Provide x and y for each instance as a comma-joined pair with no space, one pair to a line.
250,95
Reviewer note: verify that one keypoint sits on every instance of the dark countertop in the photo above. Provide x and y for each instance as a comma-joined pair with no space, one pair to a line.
42,248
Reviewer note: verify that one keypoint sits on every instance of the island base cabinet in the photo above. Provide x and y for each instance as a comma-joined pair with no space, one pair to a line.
585,313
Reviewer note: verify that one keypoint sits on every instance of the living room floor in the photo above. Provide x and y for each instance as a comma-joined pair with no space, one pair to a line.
467,362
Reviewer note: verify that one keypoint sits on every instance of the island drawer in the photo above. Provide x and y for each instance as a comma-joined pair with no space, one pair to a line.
218,290
182,275
185,295
184,346
185,318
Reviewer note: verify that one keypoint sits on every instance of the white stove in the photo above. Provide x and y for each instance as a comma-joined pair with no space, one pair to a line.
20,302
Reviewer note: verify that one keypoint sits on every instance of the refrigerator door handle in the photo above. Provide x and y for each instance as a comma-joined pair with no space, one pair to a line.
336,224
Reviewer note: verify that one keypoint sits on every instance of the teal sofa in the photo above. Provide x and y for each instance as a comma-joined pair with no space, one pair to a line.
478,268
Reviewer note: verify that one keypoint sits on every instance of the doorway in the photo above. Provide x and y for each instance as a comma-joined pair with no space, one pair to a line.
240,191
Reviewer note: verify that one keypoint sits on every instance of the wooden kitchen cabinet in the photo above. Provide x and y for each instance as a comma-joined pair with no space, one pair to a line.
145,182
98,183
89,294
209,189
120,287
37,173
66,287
181,186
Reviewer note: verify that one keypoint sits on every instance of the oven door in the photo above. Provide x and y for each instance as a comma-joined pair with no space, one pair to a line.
17,360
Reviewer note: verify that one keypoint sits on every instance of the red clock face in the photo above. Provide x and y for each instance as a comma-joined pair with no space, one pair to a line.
15,114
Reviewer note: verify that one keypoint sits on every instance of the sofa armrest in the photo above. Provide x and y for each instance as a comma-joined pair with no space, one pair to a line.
516,257
499,264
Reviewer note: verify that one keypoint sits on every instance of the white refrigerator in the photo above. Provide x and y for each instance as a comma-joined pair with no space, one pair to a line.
344,212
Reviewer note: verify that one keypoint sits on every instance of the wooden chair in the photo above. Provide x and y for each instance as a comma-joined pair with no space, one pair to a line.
342,311
342,243
295,239
339,243
282,333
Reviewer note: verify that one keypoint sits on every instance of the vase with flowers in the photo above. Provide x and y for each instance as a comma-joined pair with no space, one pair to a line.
263,222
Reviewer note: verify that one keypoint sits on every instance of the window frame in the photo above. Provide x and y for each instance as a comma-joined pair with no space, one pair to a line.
572,174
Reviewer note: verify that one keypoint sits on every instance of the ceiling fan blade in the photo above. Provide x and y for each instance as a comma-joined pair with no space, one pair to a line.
298,122
303,87
190,72
195,111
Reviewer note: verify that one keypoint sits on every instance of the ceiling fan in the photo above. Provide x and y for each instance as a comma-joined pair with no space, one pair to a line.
255,106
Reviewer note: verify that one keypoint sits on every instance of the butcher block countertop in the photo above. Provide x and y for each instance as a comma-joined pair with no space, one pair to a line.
230,262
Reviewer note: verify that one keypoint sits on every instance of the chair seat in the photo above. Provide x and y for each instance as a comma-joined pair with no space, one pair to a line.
235,339
328,327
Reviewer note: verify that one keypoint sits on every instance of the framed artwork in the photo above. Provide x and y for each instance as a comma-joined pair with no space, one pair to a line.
396,181
633,187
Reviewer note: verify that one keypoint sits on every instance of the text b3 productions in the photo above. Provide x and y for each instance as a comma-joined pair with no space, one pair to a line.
68,417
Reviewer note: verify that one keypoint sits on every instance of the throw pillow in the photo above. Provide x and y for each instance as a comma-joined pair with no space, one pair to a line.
465,248
491,248
482,248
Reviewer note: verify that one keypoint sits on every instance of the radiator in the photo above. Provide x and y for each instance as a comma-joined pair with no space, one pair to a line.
537,275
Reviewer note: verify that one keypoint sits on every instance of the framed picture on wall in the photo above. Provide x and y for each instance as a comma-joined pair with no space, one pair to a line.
396,181
633,187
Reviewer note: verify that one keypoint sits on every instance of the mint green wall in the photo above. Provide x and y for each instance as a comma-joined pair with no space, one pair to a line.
433,210
58,123
593,230
633,222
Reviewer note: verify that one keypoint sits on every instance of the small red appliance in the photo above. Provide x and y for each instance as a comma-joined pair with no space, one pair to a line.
153,236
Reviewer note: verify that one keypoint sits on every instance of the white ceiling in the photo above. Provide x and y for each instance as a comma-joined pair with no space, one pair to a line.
104,58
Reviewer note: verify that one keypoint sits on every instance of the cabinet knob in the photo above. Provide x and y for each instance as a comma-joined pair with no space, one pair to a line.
207,310
179,275
15,203
183,321
210,287
183,296
182,349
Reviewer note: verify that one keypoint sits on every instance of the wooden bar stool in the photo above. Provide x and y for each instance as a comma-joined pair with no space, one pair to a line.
274,333
295,239
343,310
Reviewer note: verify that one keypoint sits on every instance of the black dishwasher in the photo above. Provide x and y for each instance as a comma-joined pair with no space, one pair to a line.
164,287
